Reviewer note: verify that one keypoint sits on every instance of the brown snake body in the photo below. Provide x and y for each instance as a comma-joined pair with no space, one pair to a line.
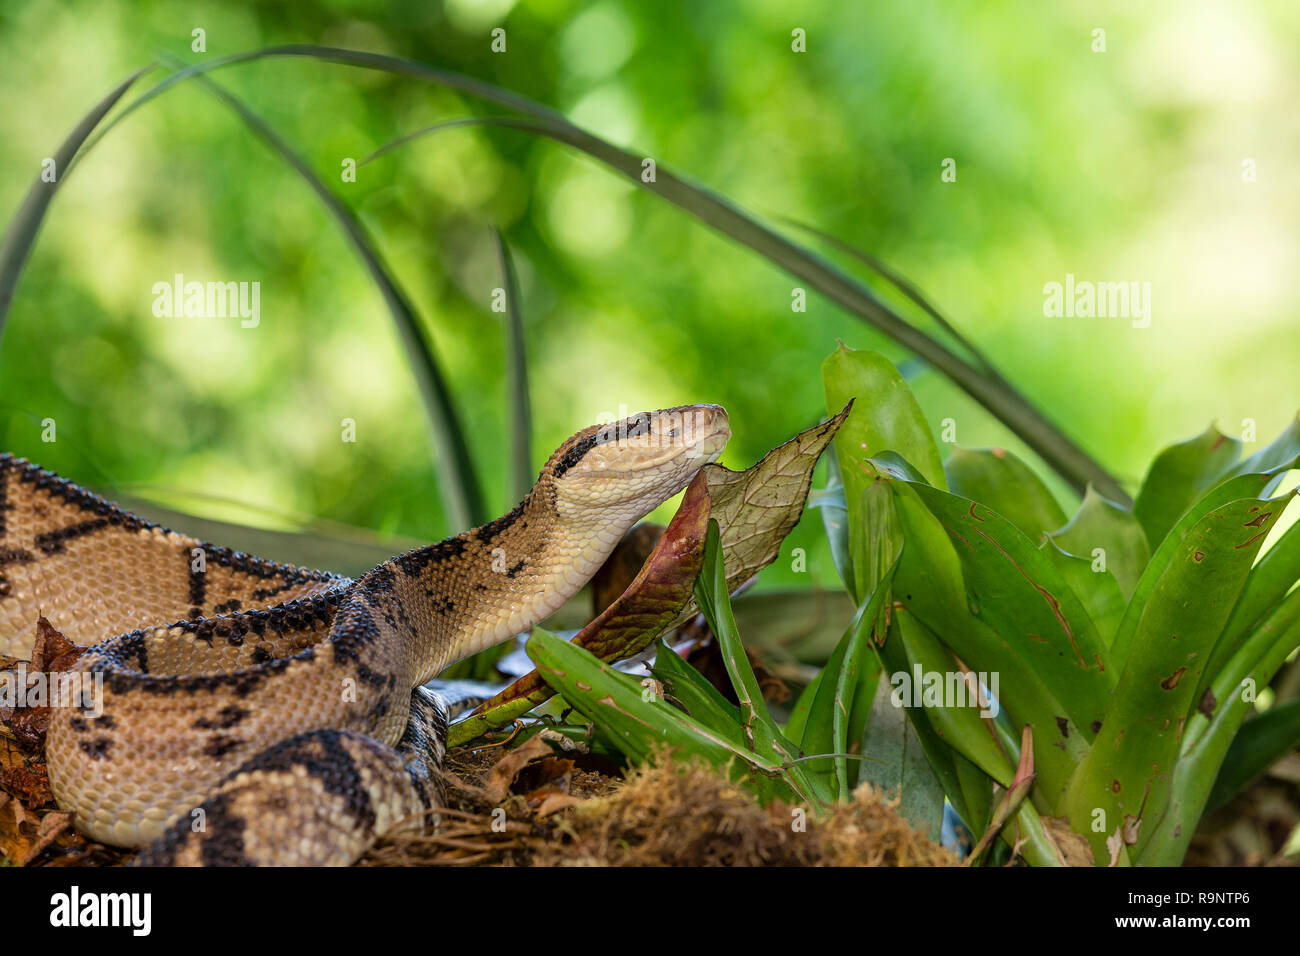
282,719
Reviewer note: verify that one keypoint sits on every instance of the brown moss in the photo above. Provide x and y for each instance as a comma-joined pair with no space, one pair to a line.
669,814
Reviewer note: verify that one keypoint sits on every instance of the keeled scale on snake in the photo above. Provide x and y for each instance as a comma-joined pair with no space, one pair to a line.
283,720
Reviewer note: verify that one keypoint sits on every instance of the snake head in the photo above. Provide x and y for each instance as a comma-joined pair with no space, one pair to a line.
637,463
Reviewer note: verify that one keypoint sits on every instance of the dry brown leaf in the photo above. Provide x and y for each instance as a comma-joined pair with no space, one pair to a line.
499,781
556,802
756,508
1073,848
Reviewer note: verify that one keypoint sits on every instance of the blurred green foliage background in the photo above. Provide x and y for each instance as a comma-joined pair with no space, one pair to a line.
1123,165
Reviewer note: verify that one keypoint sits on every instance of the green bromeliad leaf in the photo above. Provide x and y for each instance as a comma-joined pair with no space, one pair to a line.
1177,615
1183,473
1178,477
1261,742
1235,489
1103,532
1270,579
911,760
638,722
958,719
1094,586
1278,456
691,690
1001,481
1209,737
972,578
885,418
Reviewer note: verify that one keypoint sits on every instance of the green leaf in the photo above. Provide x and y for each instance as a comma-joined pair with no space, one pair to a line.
1001,481
829,720
878,541
1278,456
794,727
692,690
1189,590
1253,666
1250,668
711,594
1270,579
1261,742
1178,477
974,579
886,417
638,723
818,725
967,787
1097,590
863,694
1014,588
956,716
1235,489
1101,524
902,764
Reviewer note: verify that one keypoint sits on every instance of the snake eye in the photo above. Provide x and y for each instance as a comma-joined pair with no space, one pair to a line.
675,433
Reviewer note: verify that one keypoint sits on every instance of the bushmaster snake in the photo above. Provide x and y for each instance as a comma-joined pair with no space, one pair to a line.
283,719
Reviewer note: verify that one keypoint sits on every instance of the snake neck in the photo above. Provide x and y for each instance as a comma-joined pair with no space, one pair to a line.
477,589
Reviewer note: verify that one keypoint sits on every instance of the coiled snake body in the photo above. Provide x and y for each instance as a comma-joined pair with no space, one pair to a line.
283,720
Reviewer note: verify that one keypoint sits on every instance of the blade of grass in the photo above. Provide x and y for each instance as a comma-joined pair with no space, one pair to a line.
827,729
761,732
988,388
1196,771
20,236
457,484
687,687
849,678
903,285
715,603
1055,448
1259,744
519,408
